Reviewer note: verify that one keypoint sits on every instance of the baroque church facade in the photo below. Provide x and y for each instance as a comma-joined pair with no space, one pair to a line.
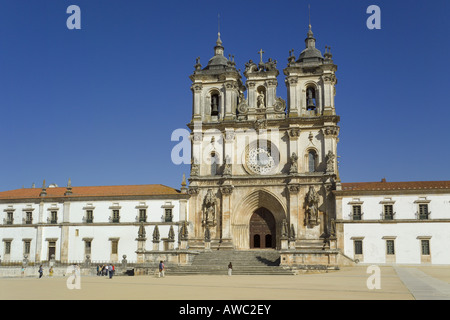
264,176
263,169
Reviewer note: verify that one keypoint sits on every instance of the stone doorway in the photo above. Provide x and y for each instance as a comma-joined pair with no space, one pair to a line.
262,230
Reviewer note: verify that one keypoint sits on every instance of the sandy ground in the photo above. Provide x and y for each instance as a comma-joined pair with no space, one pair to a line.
348,283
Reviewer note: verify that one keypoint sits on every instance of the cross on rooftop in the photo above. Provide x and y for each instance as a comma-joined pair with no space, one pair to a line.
260,54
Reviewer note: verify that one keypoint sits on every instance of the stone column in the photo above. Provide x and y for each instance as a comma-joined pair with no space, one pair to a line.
39,230
295,216
226,191
64,253
197,92
230,100
293,107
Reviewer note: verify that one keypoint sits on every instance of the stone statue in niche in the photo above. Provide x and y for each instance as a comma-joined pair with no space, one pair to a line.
330,161
209,209
312,207
261,100
227,169
293,161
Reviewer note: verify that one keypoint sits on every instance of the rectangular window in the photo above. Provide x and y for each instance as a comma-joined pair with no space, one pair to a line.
29,217
114,246
7,247
26,247
9,218
87,247
358,247
388,212
168,215
142,215
54,217
425,244
116,216
423,211
390,247
89,216
356,212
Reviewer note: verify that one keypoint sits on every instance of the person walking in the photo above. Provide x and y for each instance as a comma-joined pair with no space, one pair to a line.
41,271
110,270
230,269
161,269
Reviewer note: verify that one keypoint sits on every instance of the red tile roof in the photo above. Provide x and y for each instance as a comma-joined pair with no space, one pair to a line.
99,191
392,186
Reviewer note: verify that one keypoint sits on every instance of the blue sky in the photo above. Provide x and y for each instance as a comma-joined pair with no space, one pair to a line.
98,105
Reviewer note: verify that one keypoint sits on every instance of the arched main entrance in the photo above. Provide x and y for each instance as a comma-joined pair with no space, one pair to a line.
262,229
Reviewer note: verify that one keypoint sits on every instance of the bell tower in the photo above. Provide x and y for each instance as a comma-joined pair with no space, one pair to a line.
216,88
310,81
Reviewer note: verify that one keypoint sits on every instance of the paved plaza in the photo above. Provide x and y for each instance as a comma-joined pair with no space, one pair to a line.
397,283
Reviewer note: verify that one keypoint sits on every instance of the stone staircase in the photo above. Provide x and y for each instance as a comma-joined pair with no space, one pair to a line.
251,262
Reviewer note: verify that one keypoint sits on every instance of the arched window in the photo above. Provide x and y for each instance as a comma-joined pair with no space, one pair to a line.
310,98
311,161
215,104
214,164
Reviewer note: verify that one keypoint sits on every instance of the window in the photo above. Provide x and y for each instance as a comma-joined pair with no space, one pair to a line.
358,246
425,244
87,246
114,246
53,217
116,216
311,161
310,98
215,104
356,212
26,246
388,212
390,247
9,217
89,216
29,217
142,215
8,247
423,211
168,215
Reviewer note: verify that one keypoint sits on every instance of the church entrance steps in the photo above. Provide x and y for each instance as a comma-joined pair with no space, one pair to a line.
249,262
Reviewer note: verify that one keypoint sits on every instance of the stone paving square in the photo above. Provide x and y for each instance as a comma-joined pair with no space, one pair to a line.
345,284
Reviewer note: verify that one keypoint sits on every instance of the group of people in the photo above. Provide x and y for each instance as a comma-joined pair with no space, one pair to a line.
40,271
105,270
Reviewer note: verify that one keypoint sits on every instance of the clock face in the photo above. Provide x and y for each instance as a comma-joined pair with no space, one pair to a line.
259,160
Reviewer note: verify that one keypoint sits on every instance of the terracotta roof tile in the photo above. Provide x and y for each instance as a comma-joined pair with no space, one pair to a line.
383,185
99,191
